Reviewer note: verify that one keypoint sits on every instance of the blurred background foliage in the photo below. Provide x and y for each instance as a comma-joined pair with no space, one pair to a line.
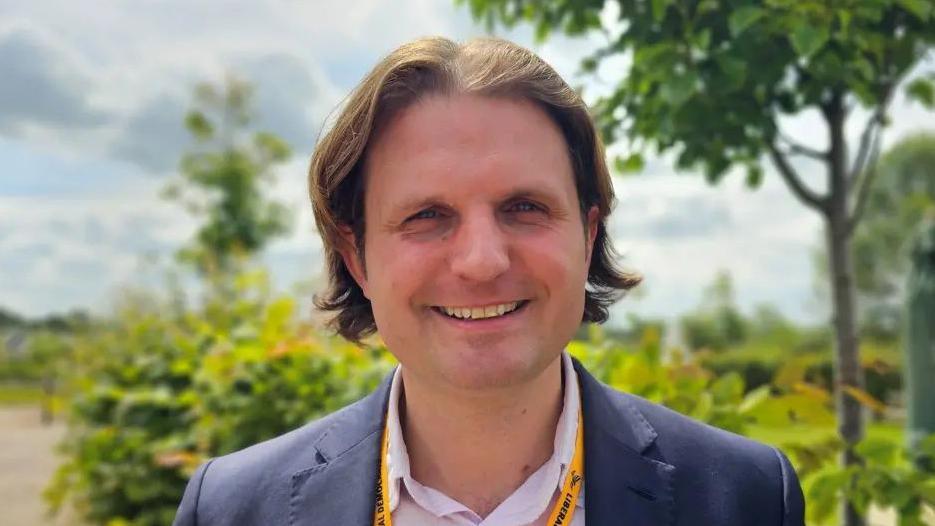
155,389
168,380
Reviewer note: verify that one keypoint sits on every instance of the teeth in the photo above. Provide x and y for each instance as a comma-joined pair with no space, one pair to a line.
478,313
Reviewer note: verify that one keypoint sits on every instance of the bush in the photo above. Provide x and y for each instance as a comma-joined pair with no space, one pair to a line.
761,364
157,394
29,355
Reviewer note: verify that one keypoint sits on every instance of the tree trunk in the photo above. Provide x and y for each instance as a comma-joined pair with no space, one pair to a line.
847,370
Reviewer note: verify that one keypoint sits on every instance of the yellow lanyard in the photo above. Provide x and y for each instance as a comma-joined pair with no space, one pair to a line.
561,514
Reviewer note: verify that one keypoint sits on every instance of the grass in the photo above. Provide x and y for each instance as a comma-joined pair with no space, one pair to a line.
19,394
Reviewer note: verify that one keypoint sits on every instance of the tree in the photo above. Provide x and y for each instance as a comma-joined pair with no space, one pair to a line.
903,195
222,179
711,81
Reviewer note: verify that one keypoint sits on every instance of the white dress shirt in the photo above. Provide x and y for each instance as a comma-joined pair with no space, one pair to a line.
412,504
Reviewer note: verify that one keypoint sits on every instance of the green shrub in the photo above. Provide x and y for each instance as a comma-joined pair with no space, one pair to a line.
760,364
157,394
675,379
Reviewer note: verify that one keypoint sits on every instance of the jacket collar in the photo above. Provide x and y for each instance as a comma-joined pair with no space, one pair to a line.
624,484
340,488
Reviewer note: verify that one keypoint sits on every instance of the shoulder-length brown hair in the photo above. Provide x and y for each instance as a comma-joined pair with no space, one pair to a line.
427,66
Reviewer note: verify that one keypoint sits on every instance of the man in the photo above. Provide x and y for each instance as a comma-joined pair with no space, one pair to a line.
462,196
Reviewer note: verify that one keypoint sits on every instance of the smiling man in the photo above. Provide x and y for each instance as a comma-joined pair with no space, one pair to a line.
462,196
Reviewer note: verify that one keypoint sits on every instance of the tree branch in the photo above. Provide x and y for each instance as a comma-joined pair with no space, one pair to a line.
797,148
807,196
865,184
865,170
866,138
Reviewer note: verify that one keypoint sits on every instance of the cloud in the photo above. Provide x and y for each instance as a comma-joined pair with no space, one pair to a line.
154,137
671,217
292,99
60,252
679,232
43,85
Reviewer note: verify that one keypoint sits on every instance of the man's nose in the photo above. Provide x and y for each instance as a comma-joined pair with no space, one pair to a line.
481,251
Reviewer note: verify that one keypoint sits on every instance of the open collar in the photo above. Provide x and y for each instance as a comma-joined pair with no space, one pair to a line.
625,484
537,491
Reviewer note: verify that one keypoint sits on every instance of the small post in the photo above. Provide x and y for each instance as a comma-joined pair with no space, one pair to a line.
920,340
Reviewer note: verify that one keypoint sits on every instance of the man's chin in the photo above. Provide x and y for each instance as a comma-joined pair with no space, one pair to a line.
483,371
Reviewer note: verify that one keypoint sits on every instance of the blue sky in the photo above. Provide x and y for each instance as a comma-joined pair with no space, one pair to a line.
91,106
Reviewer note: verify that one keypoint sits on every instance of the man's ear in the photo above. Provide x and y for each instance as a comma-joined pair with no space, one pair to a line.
352,260
592,224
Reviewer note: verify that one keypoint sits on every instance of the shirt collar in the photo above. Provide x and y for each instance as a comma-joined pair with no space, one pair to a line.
397,460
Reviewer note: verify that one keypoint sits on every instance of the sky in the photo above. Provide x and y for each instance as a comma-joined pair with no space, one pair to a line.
93,95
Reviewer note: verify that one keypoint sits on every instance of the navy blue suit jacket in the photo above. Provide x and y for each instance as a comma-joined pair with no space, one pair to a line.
644,465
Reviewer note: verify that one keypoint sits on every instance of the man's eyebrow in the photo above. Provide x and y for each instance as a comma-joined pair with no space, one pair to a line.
416,203
531,193
528,191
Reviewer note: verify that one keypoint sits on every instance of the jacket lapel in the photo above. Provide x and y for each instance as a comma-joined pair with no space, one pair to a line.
341,487
623,485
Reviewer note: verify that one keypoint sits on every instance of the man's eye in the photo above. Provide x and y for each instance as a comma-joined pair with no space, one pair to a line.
524,206
425,214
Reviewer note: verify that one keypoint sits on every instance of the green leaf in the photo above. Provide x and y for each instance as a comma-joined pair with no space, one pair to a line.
703,39
876,450
199,125
754,176
728,388
678,89
921,9
823,493
707,6
741,19
753,399
864,67
923,91
589,65
926,446
844,18
734,68
807,39
659,10
631,164
543,29
703,406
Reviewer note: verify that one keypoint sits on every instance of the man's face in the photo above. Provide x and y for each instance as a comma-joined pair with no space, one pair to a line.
471,210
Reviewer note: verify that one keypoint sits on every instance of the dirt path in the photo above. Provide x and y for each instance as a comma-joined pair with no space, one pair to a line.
27,461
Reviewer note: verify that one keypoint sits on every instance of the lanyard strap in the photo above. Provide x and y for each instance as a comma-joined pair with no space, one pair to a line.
561,515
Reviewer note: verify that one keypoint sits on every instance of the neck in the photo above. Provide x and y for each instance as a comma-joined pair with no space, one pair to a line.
478,447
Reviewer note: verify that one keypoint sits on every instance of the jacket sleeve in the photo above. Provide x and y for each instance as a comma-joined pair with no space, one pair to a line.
793,501
187,515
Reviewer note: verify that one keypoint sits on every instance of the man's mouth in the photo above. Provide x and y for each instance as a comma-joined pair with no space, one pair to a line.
482,312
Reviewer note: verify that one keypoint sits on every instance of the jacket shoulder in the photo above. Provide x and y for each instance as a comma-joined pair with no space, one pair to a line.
253,485
681,435
720,470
